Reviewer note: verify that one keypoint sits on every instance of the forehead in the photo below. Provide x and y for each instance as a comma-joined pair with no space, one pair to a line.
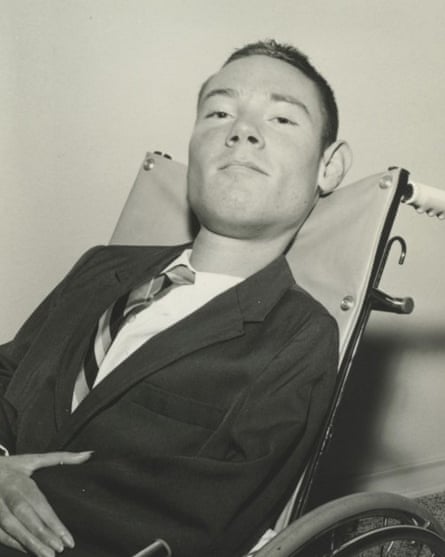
263,75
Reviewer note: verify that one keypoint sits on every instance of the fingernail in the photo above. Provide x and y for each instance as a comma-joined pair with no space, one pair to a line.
57,545
68,540
48,552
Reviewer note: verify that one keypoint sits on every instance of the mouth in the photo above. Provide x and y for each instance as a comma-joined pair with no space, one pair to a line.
243,164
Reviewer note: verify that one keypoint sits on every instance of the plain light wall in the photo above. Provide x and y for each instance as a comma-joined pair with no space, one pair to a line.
87,86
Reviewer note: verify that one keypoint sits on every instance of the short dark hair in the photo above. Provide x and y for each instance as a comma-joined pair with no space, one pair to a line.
299,60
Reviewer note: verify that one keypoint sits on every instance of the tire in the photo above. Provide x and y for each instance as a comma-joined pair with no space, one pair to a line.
363,524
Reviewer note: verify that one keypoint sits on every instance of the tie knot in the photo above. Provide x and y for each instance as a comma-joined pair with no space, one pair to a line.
180,274
142,296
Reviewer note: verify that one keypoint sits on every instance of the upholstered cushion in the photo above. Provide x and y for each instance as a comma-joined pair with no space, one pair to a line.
331,257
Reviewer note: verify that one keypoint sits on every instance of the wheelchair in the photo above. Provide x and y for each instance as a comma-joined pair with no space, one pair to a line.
360,216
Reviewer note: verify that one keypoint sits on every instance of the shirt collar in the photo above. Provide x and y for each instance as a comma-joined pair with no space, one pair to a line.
184,259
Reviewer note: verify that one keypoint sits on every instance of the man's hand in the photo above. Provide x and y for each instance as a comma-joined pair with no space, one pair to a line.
27,521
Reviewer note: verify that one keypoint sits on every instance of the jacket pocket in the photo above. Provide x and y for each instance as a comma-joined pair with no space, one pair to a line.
176,407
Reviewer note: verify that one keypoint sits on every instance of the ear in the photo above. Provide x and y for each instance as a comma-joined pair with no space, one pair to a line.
335,163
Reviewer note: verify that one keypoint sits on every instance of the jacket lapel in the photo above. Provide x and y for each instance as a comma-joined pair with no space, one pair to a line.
113,283
220,319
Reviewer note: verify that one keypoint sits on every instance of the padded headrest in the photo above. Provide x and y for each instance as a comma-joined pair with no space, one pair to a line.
333,252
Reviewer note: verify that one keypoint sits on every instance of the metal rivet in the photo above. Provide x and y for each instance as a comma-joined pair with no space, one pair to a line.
385,181
149,163
347,303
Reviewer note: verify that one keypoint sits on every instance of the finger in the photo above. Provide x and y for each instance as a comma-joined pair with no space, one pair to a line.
15,529
47,515
32,462
24,490
27,516
6,539
58,458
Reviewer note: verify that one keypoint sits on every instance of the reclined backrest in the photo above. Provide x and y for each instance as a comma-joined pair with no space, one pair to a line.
331,257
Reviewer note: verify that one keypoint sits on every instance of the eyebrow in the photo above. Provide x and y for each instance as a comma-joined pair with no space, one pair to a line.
277,97
227,92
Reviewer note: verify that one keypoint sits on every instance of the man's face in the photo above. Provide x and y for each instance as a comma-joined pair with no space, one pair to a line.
255,150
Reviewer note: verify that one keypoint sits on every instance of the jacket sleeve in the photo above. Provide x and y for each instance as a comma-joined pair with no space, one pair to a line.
13,352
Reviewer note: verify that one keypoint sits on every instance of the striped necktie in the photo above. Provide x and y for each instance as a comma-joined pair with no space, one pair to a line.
126,307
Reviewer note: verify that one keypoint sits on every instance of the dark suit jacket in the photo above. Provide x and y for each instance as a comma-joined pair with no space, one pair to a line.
199,436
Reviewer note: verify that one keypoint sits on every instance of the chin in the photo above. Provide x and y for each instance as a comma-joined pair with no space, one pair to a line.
231,227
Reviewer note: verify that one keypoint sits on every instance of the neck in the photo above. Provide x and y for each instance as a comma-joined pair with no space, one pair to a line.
213,253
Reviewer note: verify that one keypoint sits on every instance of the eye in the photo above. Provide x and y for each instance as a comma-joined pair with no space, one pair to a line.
219,114
285,121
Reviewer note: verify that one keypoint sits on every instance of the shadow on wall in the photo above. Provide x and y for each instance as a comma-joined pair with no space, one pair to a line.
370,408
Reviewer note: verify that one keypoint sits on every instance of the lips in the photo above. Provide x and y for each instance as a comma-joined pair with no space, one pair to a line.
243,164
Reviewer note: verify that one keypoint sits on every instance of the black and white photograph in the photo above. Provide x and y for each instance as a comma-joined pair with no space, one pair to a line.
222,321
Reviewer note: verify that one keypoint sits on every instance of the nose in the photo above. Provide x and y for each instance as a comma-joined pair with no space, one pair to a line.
243,131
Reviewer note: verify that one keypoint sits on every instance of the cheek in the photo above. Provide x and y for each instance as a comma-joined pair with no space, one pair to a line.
195,154
300,177
198,166
297,186
206,142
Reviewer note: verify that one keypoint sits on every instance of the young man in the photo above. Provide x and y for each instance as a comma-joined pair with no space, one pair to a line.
204,397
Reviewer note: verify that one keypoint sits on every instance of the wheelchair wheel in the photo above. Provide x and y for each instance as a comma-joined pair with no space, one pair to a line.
361,525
